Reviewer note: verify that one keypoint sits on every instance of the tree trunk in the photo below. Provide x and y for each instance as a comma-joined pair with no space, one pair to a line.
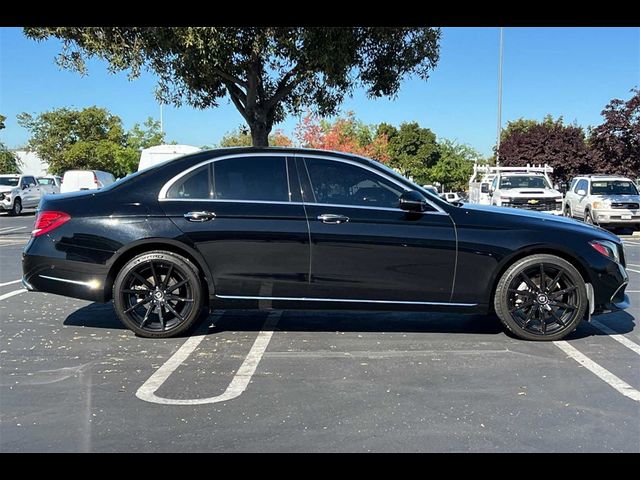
260,134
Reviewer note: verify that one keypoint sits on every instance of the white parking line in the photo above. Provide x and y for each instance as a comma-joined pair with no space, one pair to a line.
620,385
12,294
617,336
238,384
632,270
10,229
9,283
632,265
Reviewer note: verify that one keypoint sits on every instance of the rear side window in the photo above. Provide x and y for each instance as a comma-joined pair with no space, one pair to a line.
194,185
251,178
46,181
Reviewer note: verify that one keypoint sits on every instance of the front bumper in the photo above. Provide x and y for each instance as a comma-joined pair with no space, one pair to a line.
6,204
615,216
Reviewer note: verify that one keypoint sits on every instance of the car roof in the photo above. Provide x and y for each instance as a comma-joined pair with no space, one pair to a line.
10,175
604,177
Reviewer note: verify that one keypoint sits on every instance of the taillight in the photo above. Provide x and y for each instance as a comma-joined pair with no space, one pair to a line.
47,221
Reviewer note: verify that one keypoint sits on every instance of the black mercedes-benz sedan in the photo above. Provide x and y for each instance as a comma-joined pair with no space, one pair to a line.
305,229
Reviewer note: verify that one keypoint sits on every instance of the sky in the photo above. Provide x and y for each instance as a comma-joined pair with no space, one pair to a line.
568,72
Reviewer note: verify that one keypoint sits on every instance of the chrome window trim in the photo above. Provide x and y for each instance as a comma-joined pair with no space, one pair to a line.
162,196
344,300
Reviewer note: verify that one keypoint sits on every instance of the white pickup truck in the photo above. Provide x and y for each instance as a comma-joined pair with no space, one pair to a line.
50,184
18,192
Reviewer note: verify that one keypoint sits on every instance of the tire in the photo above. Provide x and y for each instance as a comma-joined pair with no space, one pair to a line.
17,207
145,301
588,219
530,315
567,211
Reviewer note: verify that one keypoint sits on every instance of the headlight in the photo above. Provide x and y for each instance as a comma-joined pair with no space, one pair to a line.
505,199
606,248
602,204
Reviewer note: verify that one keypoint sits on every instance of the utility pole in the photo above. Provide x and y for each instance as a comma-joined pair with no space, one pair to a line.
499,101
161,129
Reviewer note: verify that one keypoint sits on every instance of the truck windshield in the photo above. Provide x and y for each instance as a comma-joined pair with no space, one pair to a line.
523,181
613,187
9,181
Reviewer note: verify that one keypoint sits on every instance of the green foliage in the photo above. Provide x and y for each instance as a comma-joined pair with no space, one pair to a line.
267,72
455,165
9,163
413,150
2,119
91,138
241,137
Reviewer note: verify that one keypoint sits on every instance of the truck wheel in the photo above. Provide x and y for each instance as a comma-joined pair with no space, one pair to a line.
567,211
17,207
588,218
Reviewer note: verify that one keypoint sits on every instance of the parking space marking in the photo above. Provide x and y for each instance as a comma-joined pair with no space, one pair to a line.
238,384
10,229
9,283
617,336
620,385
12,294
632,270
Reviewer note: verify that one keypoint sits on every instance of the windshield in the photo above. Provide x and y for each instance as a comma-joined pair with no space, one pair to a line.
613,187
9,181
523,181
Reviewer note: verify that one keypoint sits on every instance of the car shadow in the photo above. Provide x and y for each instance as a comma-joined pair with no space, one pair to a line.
102,315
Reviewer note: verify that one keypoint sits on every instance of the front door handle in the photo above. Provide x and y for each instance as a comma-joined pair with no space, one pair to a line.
332,218
199,216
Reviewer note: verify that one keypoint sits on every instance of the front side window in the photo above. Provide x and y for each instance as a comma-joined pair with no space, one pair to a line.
341,183
194,185
582,185
27,181
251,178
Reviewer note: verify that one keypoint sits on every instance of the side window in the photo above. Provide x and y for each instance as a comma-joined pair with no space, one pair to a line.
194,185
26,181
341,183
574,182
251,178
494,183
582,185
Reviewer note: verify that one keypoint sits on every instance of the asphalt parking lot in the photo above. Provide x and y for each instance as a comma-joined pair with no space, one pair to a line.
73,379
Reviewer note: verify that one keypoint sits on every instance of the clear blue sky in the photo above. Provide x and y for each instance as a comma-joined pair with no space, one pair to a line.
572,72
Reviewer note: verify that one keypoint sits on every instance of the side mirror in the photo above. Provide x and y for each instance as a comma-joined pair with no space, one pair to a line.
24,186
581,192
484,188
413,201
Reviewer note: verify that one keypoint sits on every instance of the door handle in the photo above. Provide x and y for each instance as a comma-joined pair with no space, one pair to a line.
199,216
332,218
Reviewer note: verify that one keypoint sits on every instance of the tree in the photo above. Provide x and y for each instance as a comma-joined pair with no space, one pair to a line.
345,134
2,119
615,144
455,165
9,163
91,138
267,72
413,150
563,147
241,137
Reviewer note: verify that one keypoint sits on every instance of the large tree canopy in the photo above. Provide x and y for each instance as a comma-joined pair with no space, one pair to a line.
267,72
615,144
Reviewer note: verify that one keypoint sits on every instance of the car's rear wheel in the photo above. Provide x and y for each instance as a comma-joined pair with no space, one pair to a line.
541,297
17,207
158,294
567,211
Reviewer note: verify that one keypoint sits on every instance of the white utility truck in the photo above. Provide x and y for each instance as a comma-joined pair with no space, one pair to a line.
161,153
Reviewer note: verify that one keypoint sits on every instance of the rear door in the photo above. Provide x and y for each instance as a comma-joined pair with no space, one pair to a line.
246,218
363,247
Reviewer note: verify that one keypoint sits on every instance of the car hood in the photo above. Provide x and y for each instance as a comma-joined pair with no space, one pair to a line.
6,188
618,198
533,192
519,217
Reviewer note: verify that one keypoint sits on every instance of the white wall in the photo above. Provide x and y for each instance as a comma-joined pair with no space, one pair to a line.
31,164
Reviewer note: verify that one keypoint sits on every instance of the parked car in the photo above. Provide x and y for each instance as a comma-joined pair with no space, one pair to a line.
450,197
18,192
604,200
296,228
75,180
50,184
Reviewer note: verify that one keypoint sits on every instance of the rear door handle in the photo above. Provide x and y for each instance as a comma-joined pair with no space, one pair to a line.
332,218
199,216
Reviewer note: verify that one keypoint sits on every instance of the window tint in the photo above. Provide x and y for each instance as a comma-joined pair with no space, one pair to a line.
251,178
46,181
193,185
28,181
344,184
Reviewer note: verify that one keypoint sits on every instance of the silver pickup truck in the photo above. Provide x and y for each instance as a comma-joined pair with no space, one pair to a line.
18,192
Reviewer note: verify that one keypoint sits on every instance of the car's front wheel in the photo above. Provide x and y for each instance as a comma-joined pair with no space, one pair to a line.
17,207
158,294
541,297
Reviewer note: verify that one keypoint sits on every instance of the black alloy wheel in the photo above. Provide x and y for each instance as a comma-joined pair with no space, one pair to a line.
158,294
541,297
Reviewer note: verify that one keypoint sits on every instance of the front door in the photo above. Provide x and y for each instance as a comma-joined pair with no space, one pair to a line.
243,217
363,247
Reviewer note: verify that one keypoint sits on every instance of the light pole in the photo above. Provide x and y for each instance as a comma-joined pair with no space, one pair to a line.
499,102
161,129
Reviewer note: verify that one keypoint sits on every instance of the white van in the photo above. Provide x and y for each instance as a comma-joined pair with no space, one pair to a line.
161,153
75,180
